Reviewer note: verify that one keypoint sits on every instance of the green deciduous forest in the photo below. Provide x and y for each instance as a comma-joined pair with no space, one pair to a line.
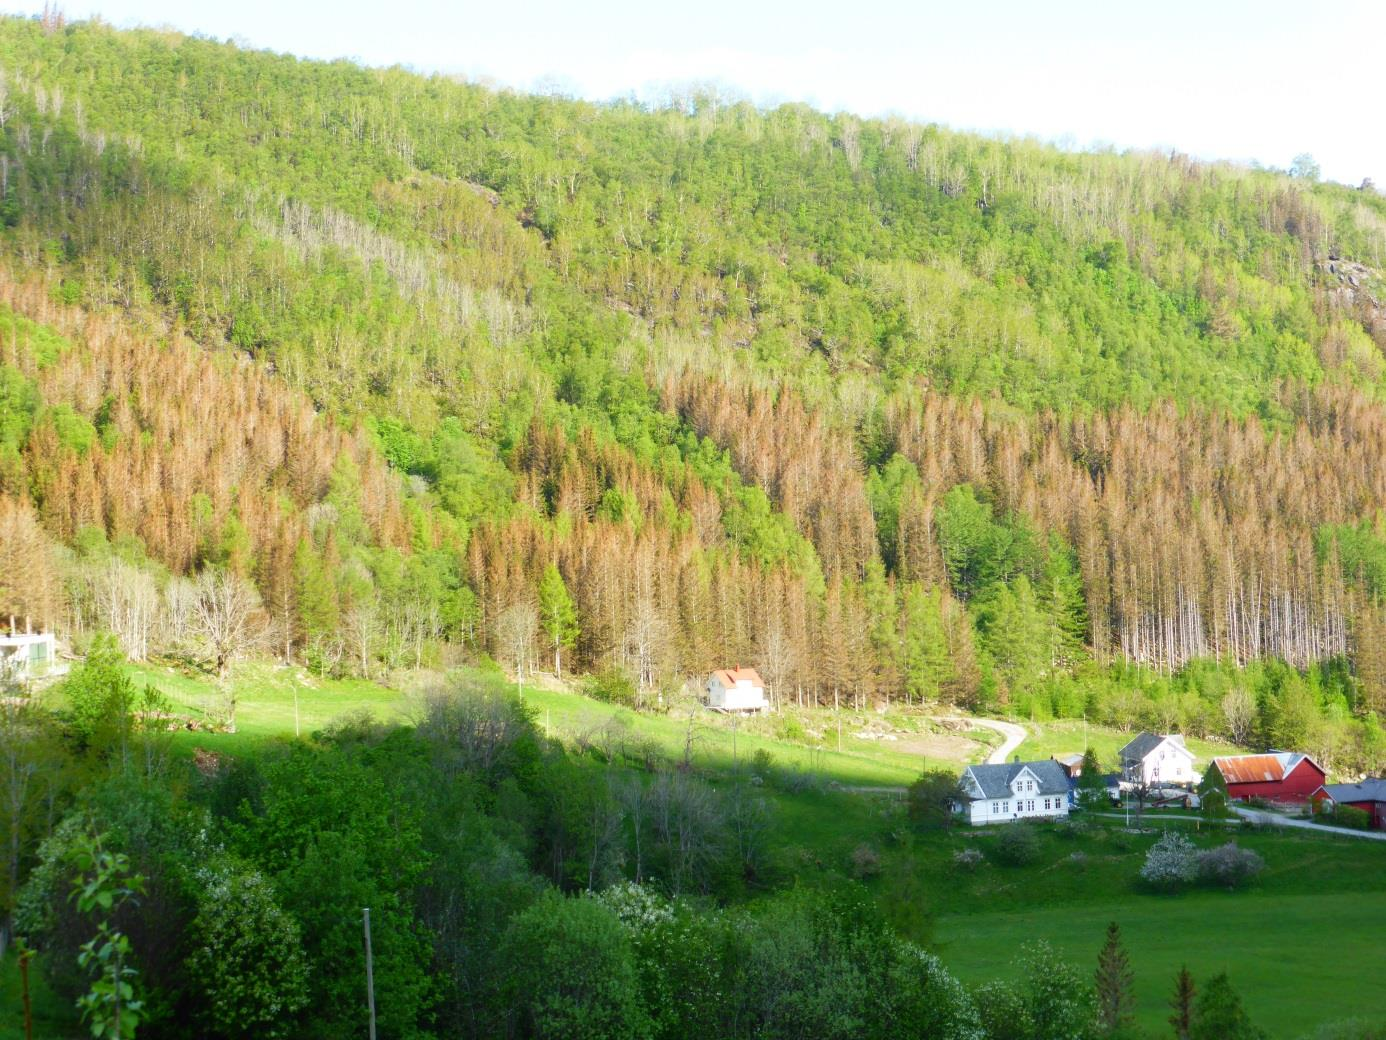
373,373
894,412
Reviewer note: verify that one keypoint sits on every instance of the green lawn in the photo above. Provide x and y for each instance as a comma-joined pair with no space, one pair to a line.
266,695
719,740
1314,918
277,701
1299,961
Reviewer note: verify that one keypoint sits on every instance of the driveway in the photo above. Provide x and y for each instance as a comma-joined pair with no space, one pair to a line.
1015,735
1276,820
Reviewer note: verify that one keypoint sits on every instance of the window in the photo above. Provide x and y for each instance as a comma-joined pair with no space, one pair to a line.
1046,805
1032,805
995,808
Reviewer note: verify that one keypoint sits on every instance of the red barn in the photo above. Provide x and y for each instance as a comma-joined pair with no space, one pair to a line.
1369,796
1279,776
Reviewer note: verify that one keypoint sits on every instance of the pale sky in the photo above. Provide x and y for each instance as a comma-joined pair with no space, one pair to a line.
1245,80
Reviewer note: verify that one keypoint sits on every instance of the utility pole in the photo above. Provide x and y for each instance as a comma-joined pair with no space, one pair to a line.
370,970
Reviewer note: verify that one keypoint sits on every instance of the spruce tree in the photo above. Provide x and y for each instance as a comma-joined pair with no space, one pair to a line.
1182,1002
1219,1015
927,663
1114,986
1061,596
1091,787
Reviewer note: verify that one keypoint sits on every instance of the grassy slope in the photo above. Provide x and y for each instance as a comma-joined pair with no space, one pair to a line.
266,705
1291,957
1288,944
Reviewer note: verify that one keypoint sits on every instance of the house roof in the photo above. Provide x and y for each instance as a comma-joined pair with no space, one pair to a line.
731,676
994,781
1144,743
1372,789
1073,759
1261,769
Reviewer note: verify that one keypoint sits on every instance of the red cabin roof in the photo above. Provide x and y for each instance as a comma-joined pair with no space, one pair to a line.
731,676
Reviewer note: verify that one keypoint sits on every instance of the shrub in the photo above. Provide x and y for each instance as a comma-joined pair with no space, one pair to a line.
798,781
611,685
967,860
931,798
1229,865
1122,841
762,762
866,862
1018,845
570,971
792,730
1171,862
1351,816
1071,829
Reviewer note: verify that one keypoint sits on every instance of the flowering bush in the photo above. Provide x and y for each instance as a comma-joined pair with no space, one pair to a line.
635,906
247,955
967,859
1229,865
1171,862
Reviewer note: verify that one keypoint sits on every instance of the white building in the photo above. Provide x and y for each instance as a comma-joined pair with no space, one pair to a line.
29,655
1014,791
1154,760
736,689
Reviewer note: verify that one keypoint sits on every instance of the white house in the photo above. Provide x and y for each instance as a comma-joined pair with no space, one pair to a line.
1014,791
736,689
1153,760
28,655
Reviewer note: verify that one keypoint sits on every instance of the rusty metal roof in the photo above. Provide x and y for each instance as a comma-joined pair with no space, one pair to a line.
1260,769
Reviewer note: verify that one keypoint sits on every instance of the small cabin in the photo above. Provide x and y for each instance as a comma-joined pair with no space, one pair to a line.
736,690
25,656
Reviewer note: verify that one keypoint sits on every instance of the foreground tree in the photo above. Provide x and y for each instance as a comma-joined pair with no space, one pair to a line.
103,885
1182,1004
931,798
1219,1015
247,956
1113,984
571,972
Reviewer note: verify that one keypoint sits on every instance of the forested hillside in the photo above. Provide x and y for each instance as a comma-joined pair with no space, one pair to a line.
895,413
